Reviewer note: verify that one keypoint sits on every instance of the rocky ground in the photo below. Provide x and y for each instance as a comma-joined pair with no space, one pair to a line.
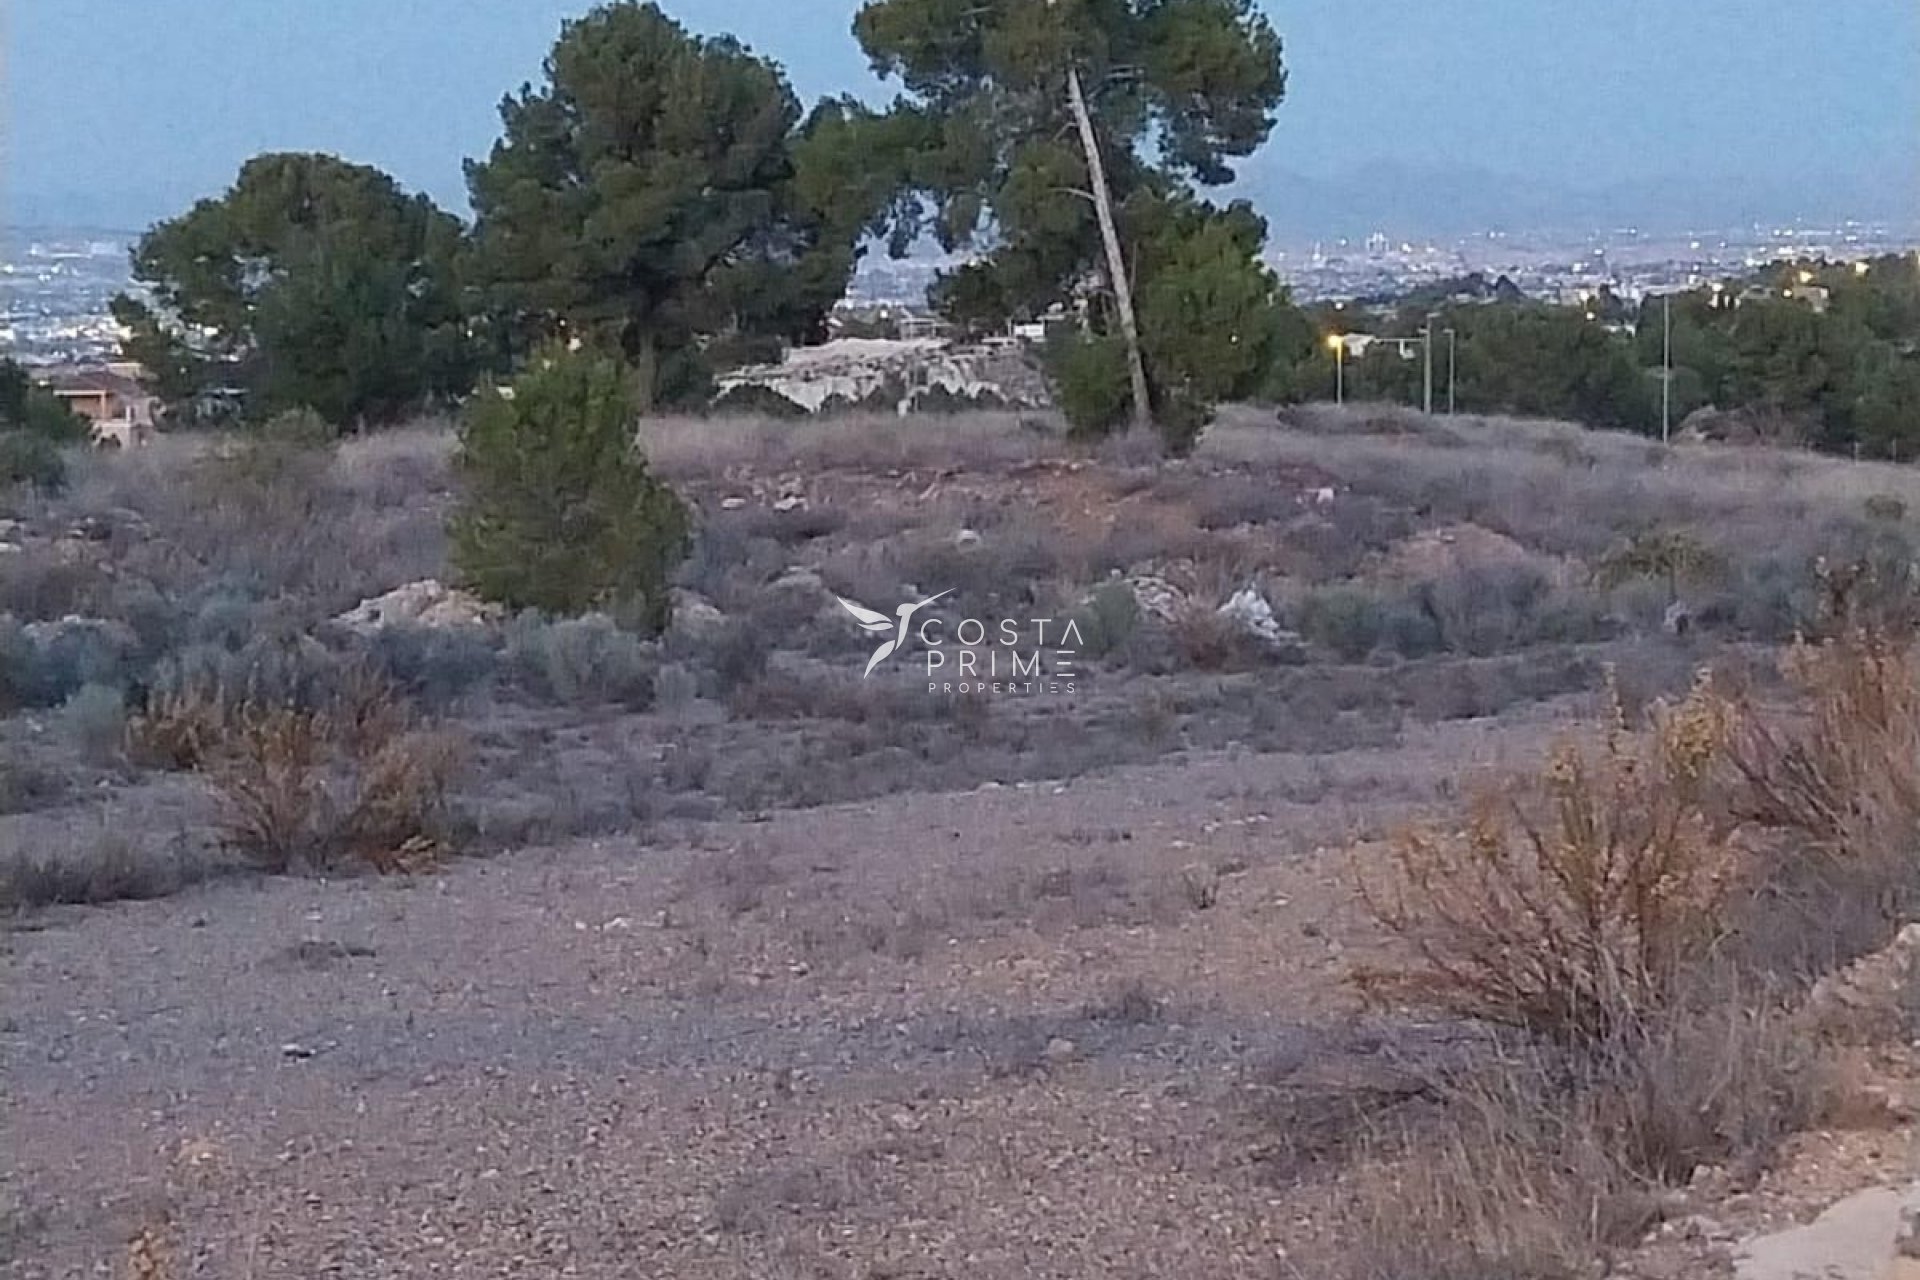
1016,1031
746,966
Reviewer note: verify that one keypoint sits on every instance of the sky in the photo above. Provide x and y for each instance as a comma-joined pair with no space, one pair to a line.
118,112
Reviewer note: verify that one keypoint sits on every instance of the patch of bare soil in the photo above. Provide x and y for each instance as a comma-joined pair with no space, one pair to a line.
1015,1031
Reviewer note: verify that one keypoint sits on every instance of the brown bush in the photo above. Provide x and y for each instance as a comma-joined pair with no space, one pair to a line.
1847,761
354,781
1835,774
178,728
1573,907
1535,1164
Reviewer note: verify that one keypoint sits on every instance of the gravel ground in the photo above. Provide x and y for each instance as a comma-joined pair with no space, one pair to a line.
1007,1032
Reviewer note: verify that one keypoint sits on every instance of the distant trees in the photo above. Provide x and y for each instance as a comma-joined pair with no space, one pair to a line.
1827,354
1067,136
647,199
311,282
34,425
662,198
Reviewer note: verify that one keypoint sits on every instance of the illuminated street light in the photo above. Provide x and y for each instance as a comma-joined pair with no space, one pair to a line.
1337,344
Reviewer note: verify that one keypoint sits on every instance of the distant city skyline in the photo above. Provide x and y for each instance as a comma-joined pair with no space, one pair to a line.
1446,114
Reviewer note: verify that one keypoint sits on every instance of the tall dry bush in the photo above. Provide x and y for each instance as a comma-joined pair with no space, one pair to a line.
1574,905
355,779
1844,761
1833,774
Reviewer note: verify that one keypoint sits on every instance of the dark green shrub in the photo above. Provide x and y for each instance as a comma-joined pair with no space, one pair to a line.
1108,619
561,514
1089,376
26,458
1354,621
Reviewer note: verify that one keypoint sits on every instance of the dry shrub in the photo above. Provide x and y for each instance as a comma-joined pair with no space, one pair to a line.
1538,1164
178,728
1575,906
355,778
317,788
1836,776
1209,641
1848,762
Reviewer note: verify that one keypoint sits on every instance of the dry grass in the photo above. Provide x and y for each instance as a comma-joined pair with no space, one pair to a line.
1575,907
1834,775
1536,1166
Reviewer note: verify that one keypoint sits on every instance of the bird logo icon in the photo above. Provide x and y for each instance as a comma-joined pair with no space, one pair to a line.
878,623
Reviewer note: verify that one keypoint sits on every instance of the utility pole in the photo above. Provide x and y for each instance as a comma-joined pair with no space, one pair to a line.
1116,260
1453,344
1427,399
1666,370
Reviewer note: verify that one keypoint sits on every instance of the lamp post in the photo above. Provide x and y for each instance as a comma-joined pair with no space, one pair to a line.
1453,345
1338,345
1426,399
1666,369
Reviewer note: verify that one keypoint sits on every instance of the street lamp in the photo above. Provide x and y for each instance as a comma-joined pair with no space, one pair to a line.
1666,369
1338,345
1426,399
1453,344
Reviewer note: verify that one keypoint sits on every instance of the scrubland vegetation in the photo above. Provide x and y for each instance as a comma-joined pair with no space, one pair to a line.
1598,970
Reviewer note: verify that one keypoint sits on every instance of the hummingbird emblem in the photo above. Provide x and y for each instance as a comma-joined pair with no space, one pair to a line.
878,623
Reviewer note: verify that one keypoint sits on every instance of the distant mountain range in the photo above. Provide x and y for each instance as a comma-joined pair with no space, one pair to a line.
1412,200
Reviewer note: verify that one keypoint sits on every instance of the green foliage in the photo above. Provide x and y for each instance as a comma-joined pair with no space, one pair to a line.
1827,352
25,407
1178,90
26,458
1108,619
313,282
560,512
1210,313
647,197
1089,376
34,424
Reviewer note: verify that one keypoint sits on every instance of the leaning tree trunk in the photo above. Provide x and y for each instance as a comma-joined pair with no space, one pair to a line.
1116,261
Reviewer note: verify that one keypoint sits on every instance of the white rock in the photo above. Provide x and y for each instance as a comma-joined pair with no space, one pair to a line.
1249,611
967,538
1157,597
426,603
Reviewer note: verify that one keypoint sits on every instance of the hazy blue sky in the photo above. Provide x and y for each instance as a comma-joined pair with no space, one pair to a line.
124,110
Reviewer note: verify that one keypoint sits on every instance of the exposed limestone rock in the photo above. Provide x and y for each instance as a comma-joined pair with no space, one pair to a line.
905,374
1856,1239
426,603
1249,611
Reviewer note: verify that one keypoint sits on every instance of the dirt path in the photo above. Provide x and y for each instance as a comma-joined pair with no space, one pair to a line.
999,1033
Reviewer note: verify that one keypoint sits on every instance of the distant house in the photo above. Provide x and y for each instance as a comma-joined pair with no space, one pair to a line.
113,397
